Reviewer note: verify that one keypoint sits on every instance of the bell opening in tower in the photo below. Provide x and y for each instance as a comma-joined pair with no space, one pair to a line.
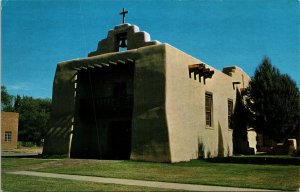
122,42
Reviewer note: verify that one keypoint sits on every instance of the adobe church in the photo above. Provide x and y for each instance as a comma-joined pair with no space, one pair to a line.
138,99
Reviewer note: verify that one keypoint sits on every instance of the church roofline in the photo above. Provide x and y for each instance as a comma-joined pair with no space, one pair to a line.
129,35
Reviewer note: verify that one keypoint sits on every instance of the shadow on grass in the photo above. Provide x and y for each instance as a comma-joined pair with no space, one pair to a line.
37,156
243,159
281,160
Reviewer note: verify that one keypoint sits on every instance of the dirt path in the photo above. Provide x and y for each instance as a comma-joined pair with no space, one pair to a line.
23,150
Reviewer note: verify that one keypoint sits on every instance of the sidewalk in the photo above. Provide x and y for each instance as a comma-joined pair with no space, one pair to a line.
165,185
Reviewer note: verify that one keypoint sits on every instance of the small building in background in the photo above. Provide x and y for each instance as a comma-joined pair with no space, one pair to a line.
9,130
252,139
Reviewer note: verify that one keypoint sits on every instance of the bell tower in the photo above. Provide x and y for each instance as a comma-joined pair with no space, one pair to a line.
122,38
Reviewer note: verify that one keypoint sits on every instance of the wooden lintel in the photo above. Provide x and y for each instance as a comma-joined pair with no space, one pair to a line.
235,83
112,63
77,68
82,67
91,66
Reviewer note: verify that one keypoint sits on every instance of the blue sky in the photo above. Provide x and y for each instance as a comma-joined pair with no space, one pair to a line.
36,35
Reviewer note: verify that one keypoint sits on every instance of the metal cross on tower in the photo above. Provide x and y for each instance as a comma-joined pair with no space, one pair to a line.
124,12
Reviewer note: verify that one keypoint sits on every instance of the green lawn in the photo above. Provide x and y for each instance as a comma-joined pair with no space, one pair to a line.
11,182
282,177
29,183
11,164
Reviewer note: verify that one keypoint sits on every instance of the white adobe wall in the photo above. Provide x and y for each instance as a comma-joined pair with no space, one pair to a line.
185,109
182,111
252,140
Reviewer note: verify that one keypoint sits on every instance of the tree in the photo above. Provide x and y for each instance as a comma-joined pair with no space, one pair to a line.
274,102
34,118
6,100
239,125
34,115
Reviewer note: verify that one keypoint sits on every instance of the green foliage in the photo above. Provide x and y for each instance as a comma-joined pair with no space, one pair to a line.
6,100
239,125
34,117
275,102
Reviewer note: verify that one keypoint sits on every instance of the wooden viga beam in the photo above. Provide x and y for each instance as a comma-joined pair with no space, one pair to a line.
77,68
207,74
130,60
196,69
121,62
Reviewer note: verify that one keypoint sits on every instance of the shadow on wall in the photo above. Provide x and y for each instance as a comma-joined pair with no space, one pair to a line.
200,149
239,125
61,127
220,142
202,153
60,130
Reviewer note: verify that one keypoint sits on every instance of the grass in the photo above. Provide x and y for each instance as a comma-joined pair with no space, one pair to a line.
11,182
30,183
19,164
280,177
194,172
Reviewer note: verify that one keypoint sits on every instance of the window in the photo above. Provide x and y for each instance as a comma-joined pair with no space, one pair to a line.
8,136
230,112
208,109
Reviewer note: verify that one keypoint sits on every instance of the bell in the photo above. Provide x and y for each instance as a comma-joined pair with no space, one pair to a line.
123,43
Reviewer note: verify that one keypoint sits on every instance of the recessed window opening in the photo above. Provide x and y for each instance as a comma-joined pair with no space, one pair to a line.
208,109
230,112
